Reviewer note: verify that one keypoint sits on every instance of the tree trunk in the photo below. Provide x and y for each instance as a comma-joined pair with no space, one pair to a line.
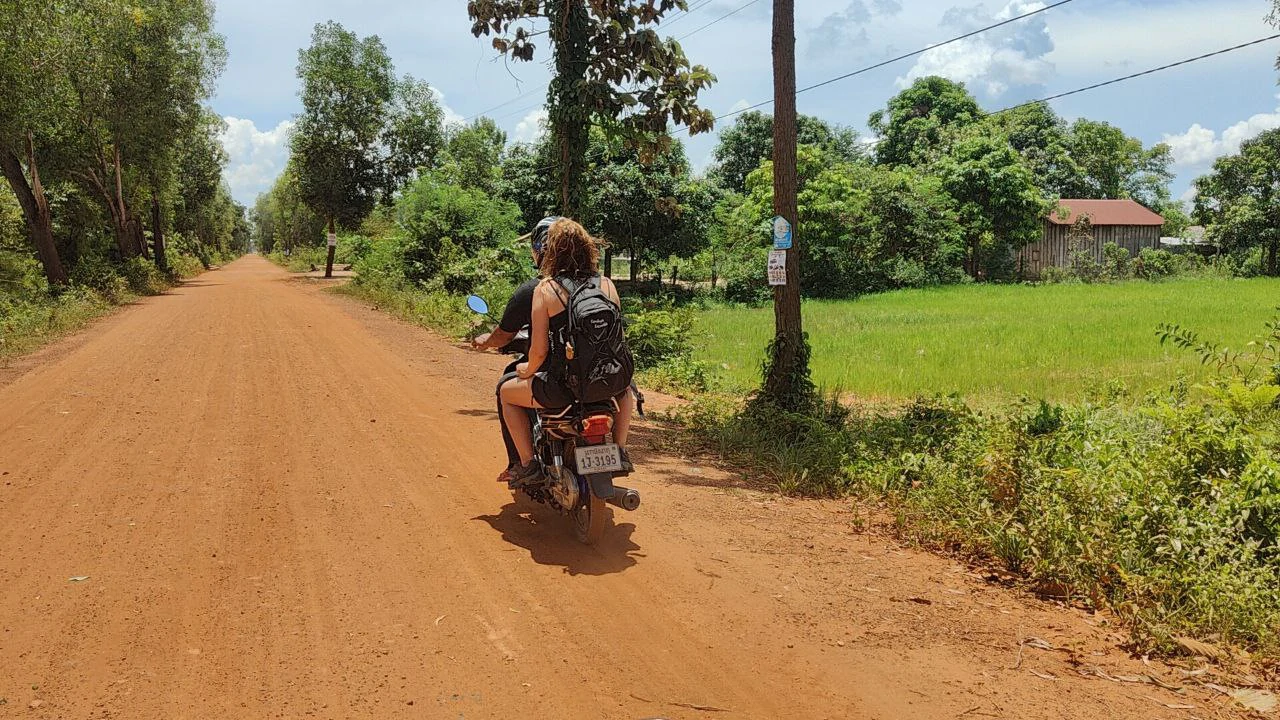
333,247
608,262
568,119
35,208
157,234
787,381
126,240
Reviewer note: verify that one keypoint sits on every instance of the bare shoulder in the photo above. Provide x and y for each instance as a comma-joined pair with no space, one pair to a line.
610,290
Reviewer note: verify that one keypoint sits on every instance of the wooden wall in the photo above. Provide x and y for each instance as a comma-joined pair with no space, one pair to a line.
1054,250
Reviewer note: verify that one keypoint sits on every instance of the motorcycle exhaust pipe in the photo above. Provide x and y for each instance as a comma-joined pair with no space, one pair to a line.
625,498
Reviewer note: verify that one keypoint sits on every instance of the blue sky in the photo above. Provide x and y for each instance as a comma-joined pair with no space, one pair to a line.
1203,110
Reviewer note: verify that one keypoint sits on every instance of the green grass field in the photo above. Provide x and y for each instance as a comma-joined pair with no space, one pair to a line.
991,341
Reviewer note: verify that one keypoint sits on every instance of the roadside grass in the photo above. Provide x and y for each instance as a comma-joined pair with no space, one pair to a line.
432,309
992,342
28,323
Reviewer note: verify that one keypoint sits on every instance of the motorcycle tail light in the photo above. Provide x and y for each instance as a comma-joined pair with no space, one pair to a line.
596,427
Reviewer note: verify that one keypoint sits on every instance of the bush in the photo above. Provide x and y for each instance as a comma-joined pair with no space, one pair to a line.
660,333
1158,264
143,277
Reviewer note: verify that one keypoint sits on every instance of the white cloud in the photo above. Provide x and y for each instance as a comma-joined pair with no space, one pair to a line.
996,62
531,127
451,117
256,157
1200,145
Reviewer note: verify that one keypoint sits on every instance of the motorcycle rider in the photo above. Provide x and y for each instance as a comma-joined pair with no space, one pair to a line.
516,316
570,257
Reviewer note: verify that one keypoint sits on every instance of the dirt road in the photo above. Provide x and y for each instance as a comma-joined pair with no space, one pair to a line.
250,499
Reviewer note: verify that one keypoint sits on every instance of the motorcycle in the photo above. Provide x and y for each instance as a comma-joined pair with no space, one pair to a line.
576,450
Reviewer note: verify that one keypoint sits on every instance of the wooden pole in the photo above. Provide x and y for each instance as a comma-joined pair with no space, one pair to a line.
784,368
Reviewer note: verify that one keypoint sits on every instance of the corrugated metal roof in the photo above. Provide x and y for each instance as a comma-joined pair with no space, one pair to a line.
1106,212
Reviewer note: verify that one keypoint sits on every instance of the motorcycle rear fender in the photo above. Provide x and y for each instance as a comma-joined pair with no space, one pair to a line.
601,485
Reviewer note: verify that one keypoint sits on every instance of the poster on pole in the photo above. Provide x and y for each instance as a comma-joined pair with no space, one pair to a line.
333,240
781,233
777,267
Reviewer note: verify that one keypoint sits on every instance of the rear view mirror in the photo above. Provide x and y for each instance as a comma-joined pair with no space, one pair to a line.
477,305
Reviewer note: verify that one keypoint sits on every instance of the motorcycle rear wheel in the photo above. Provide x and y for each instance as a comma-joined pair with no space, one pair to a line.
589,519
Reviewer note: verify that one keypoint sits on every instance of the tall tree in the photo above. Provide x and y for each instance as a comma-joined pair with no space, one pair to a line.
1239,200
414,133
919,120
999,206
749,141
347,86
610,69
32,40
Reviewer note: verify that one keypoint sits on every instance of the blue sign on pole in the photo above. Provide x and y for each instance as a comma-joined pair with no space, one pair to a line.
781,233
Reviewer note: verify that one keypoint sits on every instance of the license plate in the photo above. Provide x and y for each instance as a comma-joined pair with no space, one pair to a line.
594,459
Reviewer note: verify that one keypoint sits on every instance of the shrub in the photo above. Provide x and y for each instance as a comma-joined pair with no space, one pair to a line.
1156,264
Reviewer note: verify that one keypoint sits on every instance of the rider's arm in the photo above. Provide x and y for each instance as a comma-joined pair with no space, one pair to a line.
538,343
496,339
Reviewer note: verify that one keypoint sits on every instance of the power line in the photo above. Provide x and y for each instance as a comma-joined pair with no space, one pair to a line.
692,9
1114,81
900,58
726,16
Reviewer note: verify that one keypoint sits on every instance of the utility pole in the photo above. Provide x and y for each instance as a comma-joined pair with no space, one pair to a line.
787,382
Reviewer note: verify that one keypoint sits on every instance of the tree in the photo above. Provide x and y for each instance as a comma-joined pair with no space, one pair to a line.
1042,138
31,40
414,133
610,69
524,181
472,156
1115,166
866,229
919,119
749,142
999,207
653,209
1239,201
347,87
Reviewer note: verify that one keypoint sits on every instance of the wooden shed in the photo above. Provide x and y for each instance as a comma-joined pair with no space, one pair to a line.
1123,222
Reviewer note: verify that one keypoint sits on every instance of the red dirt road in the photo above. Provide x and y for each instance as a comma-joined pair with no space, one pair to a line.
283,505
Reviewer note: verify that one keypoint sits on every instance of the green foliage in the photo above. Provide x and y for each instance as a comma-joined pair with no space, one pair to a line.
918,120
742,147
347,88
473,155
1239,201
446,224
1166,511
611,69
997,201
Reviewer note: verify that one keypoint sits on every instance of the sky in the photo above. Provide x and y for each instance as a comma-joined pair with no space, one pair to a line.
1203,110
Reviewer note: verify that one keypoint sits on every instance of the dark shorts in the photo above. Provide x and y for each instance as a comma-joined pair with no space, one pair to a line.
549,393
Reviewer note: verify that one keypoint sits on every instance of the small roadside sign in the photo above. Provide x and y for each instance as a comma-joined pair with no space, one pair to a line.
777,267
333,240
781,233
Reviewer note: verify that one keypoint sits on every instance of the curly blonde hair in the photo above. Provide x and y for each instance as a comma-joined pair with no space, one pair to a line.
570,251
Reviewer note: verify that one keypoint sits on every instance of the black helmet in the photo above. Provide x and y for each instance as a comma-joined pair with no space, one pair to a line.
539,235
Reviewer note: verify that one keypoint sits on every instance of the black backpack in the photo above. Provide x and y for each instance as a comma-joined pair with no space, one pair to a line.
598,363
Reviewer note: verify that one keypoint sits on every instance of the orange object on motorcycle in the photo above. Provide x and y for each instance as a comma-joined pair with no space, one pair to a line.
568,351
596,427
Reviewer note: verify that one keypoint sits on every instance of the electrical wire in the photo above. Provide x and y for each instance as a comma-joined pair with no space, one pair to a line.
726,16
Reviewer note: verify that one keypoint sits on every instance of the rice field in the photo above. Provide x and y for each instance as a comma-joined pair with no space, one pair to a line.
998,341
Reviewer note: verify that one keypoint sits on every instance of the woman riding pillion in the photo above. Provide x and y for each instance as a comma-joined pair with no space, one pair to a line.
570,266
